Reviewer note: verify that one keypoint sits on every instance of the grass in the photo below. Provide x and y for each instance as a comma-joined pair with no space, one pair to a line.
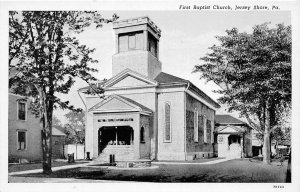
31,166
236,171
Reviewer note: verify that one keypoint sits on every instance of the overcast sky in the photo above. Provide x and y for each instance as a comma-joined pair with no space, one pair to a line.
185,37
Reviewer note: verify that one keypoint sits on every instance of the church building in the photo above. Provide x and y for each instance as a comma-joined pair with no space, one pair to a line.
146,113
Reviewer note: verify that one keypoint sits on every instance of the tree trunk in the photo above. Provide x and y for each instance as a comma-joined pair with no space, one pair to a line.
267,146
46,134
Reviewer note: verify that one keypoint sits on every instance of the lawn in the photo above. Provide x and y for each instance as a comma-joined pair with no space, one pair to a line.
237,171
31,166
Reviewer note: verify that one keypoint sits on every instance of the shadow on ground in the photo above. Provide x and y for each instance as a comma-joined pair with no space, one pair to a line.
236,171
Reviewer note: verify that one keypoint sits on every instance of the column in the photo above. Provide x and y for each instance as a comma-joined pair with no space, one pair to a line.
116,135
136,143
117,43
145,40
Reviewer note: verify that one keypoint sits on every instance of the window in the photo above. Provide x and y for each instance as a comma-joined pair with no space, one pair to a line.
142,135
152,47
21,111
130,41
208,131
167,137
21,140
205,130
196,136
212,131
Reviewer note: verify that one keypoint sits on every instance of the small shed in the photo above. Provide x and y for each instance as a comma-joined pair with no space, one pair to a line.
233,137
58,142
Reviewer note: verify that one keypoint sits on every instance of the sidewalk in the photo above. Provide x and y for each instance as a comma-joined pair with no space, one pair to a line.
192,163
153,163
53,169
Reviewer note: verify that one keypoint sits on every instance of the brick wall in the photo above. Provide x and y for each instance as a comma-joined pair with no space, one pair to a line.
199,148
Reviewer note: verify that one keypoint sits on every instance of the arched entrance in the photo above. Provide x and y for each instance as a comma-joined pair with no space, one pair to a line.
235,148
114,136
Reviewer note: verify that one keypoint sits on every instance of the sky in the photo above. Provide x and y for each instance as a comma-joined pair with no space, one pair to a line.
185,37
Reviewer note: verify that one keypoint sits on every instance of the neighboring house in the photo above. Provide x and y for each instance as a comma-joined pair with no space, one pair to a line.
257,144
146,113
24,131
234,137
58,142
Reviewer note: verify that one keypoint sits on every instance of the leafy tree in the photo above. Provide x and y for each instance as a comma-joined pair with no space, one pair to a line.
44,50
56,121
75,128
254,73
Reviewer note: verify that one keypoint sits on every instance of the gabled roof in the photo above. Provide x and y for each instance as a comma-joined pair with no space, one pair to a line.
117,103
167,78
93,86
228,120
57,132
162,79
128,72
230,129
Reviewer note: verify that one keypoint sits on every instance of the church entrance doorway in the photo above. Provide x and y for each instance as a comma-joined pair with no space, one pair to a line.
235,148
114,136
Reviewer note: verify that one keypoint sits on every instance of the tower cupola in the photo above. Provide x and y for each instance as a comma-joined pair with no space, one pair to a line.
137,46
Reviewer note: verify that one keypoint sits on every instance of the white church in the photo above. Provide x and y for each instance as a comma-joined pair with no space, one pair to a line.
147,113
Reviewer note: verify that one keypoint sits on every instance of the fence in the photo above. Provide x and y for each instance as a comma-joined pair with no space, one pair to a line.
77,149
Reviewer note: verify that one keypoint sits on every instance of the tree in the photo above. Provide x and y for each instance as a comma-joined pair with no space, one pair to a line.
254,74
56,121
75,128
45,51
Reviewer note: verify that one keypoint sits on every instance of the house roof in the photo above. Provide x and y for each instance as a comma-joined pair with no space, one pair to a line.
227,119
57,132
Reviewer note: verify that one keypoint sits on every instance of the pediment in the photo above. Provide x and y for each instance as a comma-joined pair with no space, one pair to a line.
129,78
130,81
111,105
115,103
229,129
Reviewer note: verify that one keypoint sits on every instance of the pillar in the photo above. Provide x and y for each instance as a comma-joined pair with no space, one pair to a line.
145,40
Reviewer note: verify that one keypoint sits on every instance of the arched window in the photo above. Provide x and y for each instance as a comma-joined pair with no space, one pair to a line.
167,137
142,135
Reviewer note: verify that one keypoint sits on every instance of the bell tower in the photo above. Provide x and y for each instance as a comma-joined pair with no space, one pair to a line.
137,46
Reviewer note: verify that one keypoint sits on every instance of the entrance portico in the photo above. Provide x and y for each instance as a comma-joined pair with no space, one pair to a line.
121,128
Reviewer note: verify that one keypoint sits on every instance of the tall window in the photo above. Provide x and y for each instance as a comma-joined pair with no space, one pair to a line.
208,132
167,122
21,111
196,136
204,129
21,140
212,131
130,41
142,135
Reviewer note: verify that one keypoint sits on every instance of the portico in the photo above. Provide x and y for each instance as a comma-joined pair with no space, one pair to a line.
121,127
